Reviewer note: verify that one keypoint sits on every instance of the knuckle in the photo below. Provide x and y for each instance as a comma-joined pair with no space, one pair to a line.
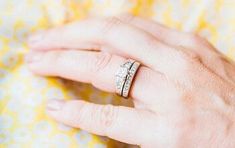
202,42
189,54
112,21
193,55
127,18
193,59
186,59
100,62
108,116
181,55
110,24
197,39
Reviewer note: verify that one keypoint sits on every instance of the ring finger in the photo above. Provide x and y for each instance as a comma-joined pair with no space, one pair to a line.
97,68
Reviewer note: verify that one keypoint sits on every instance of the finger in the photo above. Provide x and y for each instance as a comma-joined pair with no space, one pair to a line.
116,122
124,39
200,46
165,34
96,68
194,43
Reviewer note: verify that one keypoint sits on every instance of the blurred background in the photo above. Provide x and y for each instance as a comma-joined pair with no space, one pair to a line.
23,123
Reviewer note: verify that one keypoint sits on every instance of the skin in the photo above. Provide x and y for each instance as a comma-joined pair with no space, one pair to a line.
183,93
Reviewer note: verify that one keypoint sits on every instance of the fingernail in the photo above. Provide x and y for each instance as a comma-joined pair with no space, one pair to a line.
33,57
55,104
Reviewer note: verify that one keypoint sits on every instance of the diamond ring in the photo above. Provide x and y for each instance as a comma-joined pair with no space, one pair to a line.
125,76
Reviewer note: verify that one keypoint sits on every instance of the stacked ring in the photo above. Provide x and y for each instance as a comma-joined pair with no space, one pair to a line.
125,76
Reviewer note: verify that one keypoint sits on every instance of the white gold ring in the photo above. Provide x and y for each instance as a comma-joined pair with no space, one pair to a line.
125,76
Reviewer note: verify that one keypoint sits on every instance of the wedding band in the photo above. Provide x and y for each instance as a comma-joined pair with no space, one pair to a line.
125,76
129,80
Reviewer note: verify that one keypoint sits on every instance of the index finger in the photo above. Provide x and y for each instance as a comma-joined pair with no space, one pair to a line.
125,40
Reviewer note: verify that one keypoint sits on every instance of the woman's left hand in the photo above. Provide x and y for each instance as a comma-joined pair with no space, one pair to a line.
183,94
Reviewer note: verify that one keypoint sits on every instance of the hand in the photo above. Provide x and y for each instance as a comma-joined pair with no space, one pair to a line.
184,92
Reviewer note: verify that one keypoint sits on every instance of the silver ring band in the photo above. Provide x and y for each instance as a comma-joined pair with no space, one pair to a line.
125,76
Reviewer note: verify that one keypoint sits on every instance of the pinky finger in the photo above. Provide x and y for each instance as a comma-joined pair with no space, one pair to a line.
117,122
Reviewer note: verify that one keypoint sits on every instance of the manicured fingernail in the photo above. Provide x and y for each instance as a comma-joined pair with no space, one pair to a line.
33,57
55,104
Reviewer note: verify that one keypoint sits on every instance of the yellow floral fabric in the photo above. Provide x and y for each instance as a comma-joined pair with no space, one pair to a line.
23,122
